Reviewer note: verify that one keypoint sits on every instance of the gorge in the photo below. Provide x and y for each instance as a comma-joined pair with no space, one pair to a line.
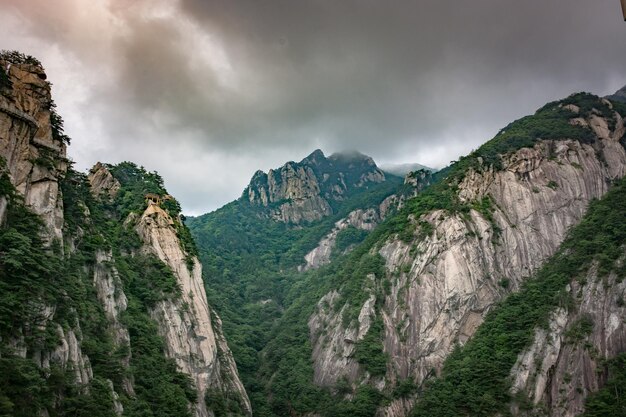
330,288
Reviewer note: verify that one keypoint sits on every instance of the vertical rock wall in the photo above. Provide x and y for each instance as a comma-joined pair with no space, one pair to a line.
186,324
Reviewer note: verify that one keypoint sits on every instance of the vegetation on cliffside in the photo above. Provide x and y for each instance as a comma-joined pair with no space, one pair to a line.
475,378
34,274
250,265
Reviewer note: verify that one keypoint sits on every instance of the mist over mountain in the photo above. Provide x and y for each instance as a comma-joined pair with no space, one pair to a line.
227,209
404,169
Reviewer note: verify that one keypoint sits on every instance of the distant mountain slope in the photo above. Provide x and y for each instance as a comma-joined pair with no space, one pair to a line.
312,188
404,169
620,95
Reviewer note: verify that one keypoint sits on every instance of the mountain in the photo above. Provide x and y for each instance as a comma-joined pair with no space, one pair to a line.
494,287
311,189
366,324
103,310
620,95
449,306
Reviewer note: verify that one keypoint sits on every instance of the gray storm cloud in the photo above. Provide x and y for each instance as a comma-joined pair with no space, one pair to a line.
208,91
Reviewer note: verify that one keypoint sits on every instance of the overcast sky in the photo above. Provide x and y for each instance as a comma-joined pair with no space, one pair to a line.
208,91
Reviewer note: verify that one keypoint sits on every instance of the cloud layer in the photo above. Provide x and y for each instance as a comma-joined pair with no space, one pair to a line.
208,91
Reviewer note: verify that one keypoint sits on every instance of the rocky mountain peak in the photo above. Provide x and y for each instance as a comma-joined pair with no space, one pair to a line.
32,143
524,190
305,191
316,157
619,95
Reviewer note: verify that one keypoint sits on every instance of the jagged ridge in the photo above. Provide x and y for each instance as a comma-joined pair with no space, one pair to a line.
310,189
251,259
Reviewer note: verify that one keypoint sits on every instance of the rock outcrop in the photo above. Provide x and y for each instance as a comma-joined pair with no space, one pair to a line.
110,293
335,344
186,324
304,191
563,364
103,183
445,279
35,157
321,254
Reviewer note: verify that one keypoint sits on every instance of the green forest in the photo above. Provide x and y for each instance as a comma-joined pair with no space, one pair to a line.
250,266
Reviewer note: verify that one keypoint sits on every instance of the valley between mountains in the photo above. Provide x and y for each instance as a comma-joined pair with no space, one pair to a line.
330,288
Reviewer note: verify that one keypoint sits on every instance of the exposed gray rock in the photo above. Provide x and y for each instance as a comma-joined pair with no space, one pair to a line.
186,323
443,283
34,162
302,192
365,219
103,183
321,254
34,159
110,292
67,354
334,343
556,373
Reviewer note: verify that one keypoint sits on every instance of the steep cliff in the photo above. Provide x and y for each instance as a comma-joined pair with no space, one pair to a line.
32,142
38,336
424,280
570,357
103,311
192,336
544,349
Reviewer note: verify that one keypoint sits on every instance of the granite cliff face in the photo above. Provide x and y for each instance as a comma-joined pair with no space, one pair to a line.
359,219
34,160
566,361
30,144
103,183
305,191
455,267
191,330
79,323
